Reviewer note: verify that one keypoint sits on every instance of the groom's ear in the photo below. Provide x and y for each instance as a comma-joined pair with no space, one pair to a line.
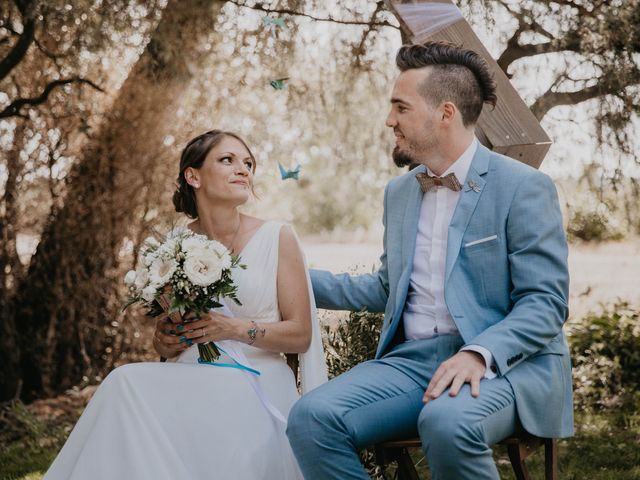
192,177
448,111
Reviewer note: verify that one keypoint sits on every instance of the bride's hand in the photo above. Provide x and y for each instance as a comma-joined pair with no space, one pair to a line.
166,340
210,327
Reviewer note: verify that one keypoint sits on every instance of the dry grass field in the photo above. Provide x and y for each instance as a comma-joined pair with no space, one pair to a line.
599,273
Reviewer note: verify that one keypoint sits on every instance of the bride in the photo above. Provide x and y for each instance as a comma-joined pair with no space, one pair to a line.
182,420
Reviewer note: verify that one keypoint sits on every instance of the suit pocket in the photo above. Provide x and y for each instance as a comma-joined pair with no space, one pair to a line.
473,245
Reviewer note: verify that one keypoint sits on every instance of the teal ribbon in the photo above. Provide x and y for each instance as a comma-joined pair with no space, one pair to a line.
235,364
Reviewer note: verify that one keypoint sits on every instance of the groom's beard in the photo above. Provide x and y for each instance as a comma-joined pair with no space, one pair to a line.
402,159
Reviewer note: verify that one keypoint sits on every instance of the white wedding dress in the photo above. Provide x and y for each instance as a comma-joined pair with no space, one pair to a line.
185,421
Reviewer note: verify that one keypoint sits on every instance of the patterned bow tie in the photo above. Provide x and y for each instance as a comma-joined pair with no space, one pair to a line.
427,182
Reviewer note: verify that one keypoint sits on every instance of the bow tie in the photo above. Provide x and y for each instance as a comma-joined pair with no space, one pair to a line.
427,182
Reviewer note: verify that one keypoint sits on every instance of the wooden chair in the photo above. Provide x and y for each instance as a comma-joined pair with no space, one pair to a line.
519,448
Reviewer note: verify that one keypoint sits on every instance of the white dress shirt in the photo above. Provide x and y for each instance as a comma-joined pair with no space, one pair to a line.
425,312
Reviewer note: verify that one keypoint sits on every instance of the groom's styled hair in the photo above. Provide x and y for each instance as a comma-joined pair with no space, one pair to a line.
457,75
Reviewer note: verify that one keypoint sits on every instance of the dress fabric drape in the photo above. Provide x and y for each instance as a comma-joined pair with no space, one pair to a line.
182,420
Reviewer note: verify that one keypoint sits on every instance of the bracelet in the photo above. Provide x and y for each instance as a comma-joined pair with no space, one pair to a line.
253,332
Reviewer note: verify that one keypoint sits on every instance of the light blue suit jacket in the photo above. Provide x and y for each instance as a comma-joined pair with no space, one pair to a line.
508,294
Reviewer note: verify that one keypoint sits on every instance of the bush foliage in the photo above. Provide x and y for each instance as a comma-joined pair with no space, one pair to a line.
592,226
605,350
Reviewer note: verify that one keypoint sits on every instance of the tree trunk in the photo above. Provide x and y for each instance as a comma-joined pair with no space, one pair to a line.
10,269
67,301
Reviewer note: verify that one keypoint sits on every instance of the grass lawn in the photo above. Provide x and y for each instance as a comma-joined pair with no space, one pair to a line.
606,447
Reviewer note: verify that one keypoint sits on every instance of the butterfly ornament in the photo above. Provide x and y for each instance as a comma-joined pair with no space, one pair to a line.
279,83
293,173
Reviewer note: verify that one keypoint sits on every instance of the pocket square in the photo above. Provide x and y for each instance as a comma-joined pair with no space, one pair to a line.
480,240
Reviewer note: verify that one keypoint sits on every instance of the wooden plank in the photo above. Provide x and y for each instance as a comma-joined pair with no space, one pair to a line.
510,128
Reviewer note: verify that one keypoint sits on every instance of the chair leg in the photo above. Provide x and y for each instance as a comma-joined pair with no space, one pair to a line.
406,468
517,462
551,459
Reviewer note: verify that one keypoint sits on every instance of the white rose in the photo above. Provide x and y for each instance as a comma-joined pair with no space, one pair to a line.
192,243
142,278
149,258
225,261
217,247
148,293
161,271
130,278
202,269
168,248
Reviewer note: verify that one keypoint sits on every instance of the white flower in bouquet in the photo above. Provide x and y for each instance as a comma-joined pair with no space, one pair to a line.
177,232
142,278
149,257
202,268
186,272
221,251
168,249
193,243
200,245
148,293
150,243
161,271
130,278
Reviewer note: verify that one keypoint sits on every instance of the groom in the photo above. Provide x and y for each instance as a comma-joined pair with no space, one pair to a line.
473,284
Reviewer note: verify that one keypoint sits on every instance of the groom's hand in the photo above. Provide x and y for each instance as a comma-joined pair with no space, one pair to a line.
463,367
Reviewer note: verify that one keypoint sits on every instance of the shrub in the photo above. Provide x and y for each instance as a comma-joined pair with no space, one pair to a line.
352,342
592,225
347,344
605,350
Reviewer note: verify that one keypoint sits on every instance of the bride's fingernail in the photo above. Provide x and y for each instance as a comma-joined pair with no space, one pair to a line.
180,327
183,338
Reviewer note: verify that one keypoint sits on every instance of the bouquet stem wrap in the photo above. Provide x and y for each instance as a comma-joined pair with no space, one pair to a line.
208,352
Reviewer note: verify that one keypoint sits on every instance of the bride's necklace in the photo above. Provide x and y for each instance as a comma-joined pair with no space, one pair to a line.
233,239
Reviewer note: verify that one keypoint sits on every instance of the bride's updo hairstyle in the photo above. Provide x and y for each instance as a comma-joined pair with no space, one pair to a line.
194,155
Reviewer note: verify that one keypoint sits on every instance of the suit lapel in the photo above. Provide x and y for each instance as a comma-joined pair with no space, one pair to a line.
471,192
409,234
410,220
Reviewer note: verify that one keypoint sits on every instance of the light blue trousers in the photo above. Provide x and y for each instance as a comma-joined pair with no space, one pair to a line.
382,399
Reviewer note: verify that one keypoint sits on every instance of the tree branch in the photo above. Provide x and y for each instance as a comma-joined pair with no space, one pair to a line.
13,109
514,51
359,51
551,99
19,50
288,11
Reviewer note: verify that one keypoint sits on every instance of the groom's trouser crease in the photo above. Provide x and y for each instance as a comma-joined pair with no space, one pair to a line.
379,400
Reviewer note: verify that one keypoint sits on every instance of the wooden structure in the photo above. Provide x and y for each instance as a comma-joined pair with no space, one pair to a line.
510,129
519,448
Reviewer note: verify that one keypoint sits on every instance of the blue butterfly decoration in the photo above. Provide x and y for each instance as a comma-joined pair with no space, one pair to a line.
271,21
279,83
293,173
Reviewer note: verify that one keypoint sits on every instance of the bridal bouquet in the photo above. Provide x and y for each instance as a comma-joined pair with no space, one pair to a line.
184,272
